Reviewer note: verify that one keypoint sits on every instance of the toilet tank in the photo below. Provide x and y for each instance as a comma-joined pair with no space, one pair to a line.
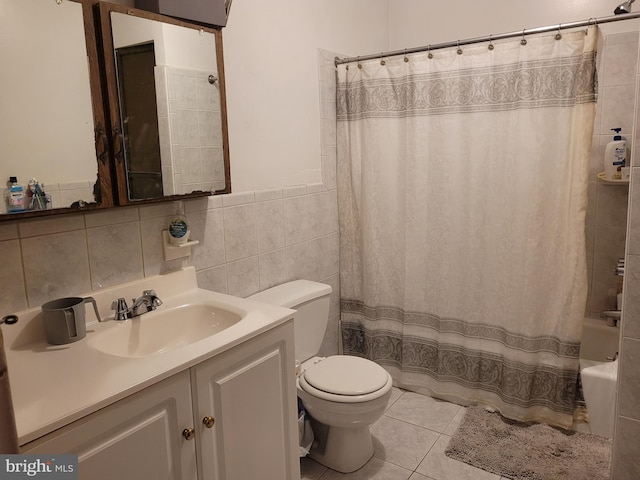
311,302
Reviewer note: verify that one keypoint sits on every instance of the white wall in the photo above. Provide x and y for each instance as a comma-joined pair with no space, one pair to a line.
270,51
34,141
416,22
175,46
271,72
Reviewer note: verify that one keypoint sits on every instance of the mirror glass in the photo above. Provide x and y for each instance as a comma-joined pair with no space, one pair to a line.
46,116
169,101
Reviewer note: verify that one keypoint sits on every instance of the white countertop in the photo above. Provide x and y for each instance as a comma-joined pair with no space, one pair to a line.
52,386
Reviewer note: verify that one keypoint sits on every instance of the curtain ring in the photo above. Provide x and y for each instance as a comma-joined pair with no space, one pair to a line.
595,24
406,59
559,35
459,50
429,54
490,47
382,62
359,64
524,40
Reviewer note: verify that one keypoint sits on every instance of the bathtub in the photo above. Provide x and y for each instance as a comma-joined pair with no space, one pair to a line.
599,375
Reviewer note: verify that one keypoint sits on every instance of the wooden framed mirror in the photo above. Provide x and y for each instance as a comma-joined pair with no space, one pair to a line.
166,101
52,120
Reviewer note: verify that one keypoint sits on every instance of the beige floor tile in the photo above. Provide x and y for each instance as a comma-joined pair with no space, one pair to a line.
396,393
407,438
423,411
401,443
418,476
375,469
455,422
310,469
438,466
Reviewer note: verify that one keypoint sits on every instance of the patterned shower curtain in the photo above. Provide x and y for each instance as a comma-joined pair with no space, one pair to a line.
462,185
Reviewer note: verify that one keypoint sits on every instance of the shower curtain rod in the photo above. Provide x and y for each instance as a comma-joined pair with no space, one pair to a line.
501,36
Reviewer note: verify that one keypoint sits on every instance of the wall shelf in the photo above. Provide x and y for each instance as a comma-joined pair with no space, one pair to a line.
173,251
606,181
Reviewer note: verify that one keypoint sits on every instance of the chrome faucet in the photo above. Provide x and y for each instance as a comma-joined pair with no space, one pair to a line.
146,303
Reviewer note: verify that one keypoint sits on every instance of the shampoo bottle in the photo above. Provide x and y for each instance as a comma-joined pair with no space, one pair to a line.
615,156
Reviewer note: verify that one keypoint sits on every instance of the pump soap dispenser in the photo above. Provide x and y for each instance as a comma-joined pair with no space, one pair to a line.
615,156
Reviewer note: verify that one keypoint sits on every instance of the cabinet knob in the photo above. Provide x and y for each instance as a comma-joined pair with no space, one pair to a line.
188,433
208,421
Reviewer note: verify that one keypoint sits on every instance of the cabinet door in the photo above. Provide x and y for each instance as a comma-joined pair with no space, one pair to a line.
139,437
250,392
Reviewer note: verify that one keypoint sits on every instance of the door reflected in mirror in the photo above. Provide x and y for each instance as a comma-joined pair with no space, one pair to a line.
169,103
138,107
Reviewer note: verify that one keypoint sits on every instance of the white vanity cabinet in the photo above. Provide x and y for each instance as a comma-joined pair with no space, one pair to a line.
138,437
231,417
250,392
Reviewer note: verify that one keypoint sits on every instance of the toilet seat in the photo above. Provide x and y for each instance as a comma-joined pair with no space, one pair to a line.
345,379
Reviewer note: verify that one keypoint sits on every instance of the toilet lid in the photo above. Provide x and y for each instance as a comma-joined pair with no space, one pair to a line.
346,375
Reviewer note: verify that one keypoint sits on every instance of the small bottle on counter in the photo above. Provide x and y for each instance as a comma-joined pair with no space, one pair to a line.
15,196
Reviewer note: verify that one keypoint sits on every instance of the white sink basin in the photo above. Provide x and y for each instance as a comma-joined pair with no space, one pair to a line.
164,329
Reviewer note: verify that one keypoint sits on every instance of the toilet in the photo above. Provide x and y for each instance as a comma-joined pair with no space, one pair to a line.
599,381
344,395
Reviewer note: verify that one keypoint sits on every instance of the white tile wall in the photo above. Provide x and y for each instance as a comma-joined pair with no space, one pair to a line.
241,251
626,442
607,208
189,117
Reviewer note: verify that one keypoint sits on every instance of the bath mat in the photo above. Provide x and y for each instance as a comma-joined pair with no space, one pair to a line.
528,451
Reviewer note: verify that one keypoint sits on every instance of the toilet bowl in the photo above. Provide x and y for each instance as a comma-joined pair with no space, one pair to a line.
341,421
343,395
599,387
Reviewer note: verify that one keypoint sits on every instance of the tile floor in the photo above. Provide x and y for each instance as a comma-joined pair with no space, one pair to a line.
409,442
